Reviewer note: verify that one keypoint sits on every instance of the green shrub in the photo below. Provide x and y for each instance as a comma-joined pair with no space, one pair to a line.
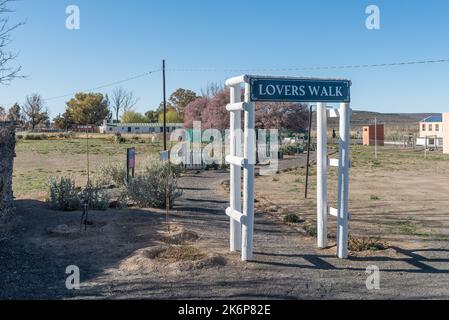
66,135
212,166
292,218
366,244
157,182
119,139
310,230
96,196
35,137
62,194
291,149
112,174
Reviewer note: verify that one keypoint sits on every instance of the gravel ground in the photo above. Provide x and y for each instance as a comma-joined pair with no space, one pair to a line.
286,265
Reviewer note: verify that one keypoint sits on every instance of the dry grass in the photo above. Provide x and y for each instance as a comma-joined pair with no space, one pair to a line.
367,244
182,253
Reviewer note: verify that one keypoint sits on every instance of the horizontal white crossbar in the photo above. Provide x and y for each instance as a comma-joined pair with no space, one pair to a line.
333,162
237,161
237,80
240,106
333,113
237,216
334,212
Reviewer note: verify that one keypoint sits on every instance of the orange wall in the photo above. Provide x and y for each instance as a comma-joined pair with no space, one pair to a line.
369,135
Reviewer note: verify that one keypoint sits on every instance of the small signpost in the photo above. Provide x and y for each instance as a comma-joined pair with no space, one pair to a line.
130,162
164,156
286,89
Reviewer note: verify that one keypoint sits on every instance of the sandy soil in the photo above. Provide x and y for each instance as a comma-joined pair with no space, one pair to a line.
118,255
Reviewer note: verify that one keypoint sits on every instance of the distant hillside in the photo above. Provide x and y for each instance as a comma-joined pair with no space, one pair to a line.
362,118
367,117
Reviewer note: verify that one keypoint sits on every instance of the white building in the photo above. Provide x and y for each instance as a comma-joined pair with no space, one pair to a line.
138,128
446,132
431,132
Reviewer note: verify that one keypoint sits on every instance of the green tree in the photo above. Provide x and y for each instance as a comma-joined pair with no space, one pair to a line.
152,116
133,117
14,113
172,116
88,108
180,99
62,122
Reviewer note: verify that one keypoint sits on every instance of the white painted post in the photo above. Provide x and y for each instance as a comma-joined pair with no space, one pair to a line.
236,171
248,187
343,182
322,175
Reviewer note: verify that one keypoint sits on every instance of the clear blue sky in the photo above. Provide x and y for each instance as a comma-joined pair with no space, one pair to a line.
119,39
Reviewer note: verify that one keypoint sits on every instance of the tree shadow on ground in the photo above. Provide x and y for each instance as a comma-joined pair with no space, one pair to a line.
33,262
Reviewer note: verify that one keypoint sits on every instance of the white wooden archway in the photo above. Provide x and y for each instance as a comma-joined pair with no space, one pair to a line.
241,213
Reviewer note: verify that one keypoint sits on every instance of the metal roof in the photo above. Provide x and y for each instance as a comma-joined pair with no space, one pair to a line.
144,125
437,118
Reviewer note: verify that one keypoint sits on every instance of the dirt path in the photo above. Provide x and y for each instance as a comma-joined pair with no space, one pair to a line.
286,266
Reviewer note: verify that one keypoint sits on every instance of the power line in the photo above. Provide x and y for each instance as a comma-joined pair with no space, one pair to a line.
359,66
106,85
99,87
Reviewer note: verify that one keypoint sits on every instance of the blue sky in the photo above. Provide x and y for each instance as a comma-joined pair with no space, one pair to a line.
119,39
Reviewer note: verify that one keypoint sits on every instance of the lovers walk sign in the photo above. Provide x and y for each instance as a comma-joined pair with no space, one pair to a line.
299,90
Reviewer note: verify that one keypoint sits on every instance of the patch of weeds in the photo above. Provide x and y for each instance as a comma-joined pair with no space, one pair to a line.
292,218
310,230
367,244
406,228
374,198
376,163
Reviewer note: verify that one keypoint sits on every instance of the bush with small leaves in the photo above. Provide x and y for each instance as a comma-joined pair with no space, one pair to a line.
291,149
119,139
35,137
62,194
96,196
112,174
310,230
157,183
66,135
291,218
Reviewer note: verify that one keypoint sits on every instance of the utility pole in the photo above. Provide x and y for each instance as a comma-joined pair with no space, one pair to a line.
165,105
